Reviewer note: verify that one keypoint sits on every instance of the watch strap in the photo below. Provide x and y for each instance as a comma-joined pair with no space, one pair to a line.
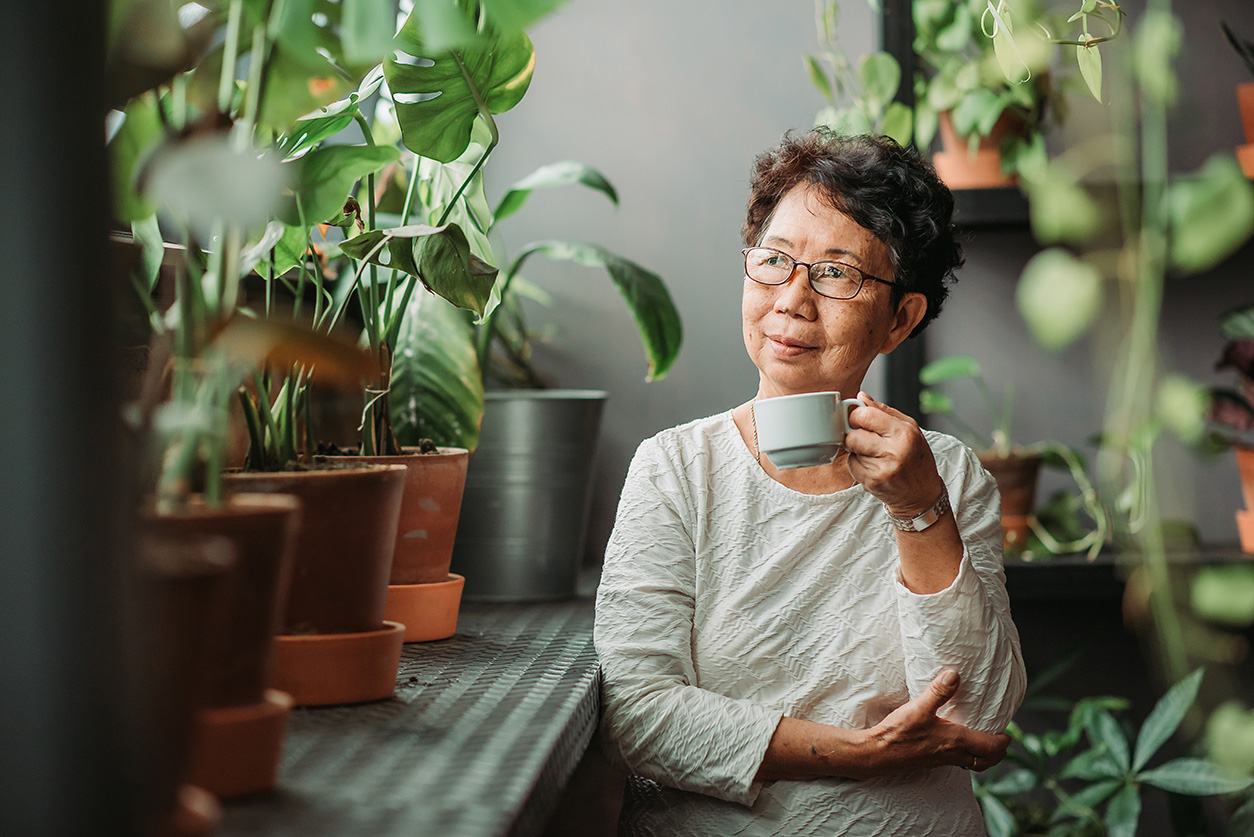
924,519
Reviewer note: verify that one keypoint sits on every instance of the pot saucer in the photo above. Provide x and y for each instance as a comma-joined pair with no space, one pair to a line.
325,669
428,611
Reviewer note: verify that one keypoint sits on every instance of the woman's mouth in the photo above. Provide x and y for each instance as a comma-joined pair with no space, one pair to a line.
786,346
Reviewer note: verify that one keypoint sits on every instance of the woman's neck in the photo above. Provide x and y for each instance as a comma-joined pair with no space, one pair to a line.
822,479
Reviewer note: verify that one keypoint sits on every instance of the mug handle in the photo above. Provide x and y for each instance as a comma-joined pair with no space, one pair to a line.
846,405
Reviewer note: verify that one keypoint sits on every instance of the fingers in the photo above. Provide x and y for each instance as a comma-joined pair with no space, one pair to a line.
943,687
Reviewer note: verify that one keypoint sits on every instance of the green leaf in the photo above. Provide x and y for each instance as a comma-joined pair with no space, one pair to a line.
1212,214
644,292
366,31
564,173
1123,812
437,389
1097,793
976,113
290,249
444,25
1090,61
1092,765
146,232
997,818
511,15
1104,731
1059,297
1194,777
898,123
819,79
1062,210
1163,719
931,401
1237,324
1230,738
139,134
1181,405
323,179
880,75
439,256
1017,781
948,369
436,103
294,88
1224,594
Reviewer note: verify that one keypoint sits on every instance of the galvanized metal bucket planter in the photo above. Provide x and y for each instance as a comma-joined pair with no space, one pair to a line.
525,508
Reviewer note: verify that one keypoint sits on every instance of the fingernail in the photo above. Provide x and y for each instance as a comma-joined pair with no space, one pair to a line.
949,677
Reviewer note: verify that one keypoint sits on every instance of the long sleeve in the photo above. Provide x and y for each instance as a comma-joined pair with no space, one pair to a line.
967,626
656,721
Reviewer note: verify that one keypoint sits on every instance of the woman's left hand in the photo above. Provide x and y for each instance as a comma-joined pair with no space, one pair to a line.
890,458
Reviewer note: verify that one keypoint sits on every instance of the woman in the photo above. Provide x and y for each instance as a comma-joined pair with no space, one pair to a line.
825,650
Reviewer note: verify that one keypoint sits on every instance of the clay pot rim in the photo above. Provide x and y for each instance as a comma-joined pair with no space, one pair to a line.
236,503
453,580
330,468
407,452
389,627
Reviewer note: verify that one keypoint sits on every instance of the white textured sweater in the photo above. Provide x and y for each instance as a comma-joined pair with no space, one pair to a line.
728,601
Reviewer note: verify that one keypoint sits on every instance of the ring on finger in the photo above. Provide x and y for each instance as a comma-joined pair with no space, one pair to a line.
975,763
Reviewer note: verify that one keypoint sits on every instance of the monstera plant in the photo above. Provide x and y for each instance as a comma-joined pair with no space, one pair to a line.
441,356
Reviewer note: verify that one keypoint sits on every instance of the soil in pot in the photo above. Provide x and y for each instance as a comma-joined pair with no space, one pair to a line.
1016,477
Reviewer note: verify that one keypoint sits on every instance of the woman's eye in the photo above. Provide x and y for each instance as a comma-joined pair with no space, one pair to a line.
832,271
776,261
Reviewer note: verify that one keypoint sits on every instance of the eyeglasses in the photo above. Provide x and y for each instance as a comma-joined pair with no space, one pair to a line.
834,280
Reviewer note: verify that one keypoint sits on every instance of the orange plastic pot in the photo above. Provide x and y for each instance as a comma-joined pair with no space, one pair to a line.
1016,477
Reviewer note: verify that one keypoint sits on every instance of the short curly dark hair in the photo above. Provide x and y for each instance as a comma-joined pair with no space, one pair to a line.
889,190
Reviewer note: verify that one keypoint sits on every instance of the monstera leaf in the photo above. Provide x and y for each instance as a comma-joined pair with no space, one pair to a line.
439,94
437,391
439,256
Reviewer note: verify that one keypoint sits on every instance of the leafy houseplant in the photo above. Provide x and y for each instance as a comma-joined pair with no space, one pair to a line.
1245,98
986,82
871,88
1055,528
1048,783
1231,409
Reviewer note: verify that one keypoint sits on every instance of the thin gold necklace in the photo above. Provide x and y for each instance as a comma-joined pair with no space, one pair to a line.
753,417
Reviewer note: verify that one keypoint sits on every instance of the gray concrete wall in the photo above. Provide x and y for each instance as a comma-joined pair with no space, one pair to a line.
671,100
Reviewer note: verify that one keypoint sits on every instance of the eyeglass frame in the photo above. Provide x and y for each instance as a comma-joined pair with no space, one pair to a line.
810,276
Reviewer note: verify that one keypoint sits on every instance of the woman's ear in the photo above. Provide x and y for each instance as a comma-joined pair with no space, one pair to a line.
910,312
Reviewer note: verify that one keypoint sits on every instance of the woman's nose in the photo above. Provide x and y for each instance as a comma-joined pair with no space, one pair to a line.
795,295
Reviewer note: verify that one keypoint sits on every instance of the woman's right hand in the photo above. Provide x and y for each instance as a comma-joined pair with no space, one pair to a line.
914,736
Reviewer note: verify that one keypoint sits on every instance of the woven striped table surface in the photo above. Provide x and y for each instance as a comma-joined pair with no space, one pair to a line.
484,731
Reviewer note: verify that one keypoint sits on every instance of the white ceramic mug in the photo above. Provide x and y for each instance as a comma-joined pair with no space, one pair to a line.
802,431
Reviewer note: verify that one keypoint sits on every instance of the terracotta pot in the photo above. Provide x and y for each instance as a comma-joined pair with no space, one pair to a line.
960,169
325,669
181,591
1245,517
430,508
343,552
262,529
1245,105
1016,477
428,611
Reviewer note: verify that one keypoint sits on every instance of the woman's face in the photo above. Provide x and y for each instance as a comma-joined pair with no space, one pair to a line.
803,342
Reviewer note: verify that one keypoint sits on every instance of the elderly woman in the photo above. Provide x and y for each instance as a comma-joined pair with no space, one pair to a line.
825,650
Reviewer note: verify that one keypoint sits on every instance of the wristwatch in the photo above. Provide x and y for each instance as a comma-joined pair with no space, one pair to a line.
923,520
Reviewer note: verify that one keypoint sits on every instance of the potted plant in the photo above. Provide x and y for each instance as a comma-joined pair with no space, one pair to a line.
861,100
1051,783
985,81
1016,468
1231,410
1245,98
505,550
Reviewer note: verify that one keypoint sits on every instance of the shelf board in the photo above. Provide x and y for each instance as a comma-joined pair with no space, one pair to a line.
1000,207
